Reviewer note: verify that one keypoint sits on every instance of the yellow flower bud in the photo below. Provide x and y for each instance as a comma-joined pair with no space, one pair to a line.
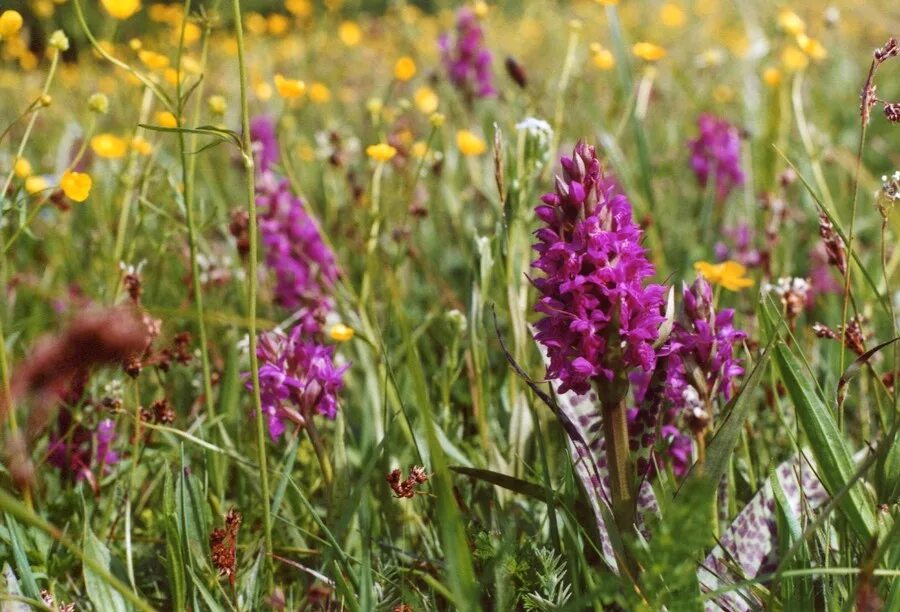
341,333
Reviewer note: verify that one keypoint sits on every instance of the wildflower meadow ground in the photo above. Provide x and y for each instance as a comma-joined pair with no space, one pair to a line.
342,305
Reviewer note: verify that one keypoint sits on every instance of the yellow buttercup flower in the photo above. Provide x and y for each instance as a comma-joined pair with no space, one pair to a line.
349,33
469,143
648,51
153,60
426,100
35,184
729,274
794,59
108,146
22,168
419,148
341,333
278,24
772,76
381,152
602,57
811,47
319,93
289,88
10,23
300,8
481,9
607,2
671,15
166,119
121,9
140,145
790,22
76,185
192,32
404,69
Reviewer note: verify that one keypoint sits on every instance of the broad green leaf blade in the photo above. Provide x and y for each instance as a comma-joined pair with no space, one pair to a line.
829,448
101,594
510,483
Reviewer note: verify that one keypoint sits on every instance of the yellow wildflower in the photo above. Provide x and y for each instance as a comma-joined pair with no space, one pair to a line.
811,47
349,33
289,88
35,184
192,33
166,119
671,15
108,146
277,24
790,22
152,59
481,9
419,148
10,23
76,185
341,332
255,23
729,274
22,167
602,57
319,93
141,145
772,76
300,8
426,100
648,51
121,9
381,152
607,2
404,69
794,59
43,8
263,90
436,119
469,143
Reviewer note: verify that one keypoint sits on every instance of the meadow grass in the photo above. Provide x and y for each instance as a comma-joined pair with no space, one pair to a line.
269,338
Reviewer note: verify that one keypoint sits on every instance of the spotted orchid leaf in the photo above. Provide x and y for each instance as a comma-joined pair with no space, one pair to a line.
584,432
749,546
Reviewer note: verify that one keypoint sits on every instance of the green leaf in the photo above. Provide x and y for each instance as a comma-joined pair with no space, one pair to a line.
29,584
174,556
828,445
101,594
511,483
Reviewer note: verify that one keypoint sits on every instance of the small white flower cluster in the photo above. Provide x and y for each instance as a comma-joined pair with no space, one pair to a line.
793,293
536,137
786,285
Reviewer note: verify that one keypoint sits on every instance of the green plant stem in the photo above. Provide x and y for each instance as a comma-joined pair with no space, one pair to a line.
187,173
251,293
851,234
615,433
373,234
